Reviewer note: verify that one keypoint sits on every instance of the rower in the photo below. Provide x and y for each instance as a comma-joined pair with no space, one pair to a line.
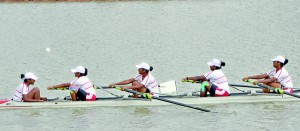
144,82
277,77
81,89
214,81
23,93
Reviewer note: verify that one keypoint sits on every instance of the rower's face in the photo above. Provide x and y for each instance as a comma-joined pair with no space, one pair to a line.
141,70
31,81
77,74
212,68
276,64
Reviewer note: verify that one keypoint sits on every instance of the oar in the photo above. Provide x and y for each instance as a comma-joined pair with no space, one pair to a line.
272,88
237,85
162,99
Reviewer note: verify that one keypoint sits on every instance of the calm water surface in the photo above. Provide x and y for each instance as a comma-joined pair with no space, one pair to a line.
176,37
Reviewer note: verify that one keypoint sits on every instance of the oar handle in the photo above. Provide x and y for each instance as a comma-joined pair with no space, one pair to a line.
62,88
191,81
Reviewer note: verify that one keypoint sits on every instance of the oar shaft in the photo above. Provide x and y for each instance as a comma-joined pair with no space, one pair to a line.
170,101
237,85
272,88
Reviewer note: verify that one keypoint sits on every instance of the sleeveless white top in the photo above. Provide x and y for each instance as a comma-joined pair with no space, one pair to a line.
149,82
21,89
84,83
218,78
283,77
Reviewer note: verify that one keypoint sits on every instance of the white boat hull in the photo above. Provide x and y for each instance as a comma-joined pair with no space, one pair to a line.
145,102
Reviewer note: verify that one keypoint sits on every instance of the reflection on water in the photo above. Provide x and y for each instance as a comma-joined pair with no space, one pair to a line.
34,114
79,111
142,111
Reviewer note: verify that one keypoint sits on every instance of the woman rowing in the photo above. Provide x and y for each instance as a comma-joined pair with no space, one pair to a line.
144,82
23,93
277,77
81,88
217,85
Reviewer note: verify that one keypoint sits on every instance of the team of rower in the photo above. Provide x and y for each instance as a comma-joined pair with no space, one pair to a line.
214,82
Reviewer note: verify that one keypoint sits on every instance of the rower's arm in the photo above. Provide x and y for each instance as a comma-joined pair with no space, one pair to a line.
265,81
258,76
135,86
196,78
62,85
125,82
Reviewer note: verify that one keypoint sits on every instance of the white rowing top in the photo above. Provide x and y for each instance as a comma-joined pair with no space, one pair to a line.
218,78
282,77
21,89
84,83
149,82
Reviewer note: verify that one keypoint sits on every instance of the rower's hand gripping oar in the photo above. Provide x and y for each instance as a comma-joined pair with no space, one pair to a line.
277,90
149,96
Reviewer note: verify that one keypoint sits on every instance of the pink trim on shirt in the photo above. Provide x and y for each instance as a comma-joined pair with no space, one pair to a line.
288,80
74,81
284,78
221,82
279,73
219,77
85,83
154,86
23,87
208,74
272,71
147,78
88,87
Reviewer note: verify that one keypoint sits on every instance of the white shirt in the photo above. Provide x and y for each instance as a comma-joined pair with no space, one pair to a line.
282,76
218,78
84,83
21,89
149,82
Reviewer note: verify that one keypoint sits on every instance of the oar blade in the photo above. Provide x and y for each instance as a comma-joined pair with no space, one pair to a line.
168,88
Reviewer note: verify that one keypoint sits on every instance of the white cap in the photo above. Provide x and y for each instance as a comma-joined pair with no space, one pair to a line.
30,75
143,65
279,58
215,62
79,69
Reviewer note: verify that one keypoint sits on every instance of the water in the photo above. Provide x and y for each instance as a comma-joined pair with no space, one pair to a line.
176,37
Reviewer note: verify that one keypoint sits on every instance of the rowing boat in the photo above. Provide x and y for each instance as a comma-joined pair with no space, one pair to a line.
117,101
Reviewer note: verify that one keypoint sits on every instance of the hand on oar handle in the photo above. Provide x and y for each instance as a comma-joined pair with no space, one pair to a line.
250,81
50,88
185,80
279,91
112,85
255,82
119,88
245,79
147,95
